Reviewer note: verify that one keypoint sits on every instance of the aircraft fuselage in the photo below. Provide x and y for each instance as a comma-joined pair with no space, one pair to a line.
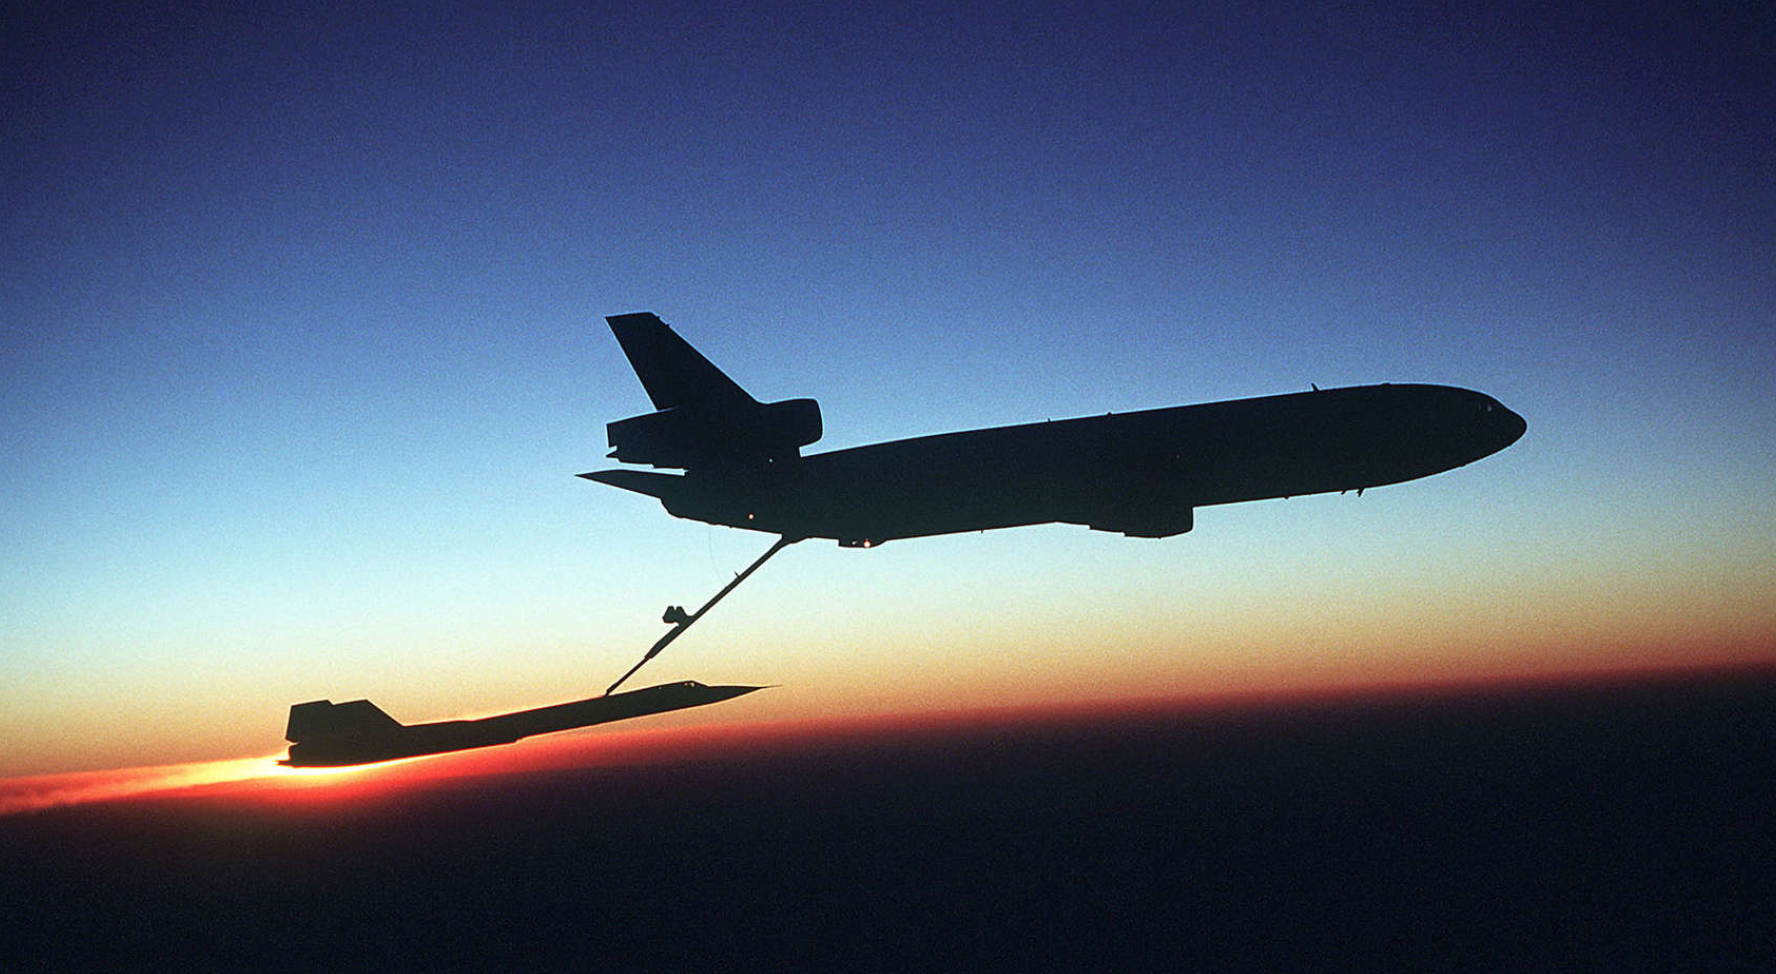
324,734
1139,473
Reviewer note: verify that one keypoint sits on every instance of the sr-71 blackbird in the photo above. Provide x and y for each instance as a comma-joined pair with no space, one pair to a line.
1139,473
324,734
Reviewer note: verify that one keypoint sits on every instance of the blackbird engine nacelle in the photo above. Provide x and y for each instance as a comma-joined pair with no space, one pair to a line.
684,437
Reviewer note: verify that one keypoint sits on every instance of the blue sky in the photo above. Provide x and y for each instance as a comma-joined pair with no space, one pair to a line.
303,342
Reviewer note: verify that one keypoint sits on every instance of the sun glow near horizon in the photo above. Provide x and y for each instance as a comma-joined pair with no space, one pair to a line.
38,792
262,780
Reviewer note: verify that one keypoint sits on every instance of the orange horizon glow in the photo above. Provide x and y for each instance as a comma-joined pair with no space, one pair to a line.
263,780
33,793
1168,641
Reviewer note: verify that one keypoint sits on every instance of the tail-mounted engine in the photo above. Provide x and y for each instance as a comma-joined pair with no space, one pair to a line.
685,436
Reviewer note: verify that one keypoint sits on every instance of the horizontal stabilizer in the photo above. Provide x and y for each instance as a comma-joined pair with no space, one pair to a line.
658,485
324,718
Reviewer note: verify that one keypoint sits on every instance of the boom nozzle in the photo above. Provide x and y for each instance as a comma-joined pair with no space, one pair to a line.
676,617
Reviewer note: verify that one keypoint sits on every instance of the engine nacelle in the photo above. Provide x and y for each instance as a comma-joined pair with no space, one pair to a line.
682,438
1147,524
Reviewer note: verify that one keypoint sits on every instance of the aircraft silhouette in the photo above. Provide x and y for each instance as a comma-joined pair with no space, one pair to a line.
324,734
1141,473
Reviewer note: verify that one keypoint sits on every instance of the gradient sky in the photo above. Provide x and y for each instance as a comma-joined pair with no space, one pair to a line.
302,338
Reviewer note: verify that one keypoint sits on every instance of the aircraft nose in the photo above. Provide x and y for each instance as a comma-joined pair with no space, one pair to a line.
1507,426
1490,426
1514,426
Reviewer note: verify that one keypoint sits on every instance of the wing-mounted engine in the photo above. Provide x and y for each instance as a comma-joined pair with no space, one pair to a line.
1146,524
687,436
1154,506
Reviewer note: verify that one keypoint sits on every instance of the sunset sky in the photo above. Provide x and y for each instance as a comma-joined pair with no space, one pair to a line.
301,324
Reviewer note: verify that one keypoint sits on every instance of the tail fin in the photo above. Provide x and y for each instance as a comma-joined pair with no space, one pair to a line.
702,418
324,718
674,374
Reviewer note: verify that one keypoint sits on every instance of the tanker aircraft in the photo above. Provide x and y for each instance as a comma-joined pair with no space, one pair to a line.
1142,474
